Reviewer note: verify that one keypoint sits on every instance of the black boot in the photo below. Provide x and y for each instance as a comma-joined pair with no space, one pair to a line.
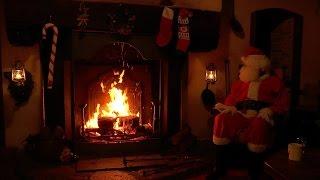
220,167
255,165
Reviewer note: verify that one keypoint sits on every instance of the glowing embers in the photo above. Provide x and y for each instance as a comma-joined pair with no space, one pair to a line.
114,116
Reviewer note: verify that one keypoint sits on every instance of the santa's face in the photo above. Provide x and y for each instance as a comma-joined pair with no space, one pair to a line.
249,73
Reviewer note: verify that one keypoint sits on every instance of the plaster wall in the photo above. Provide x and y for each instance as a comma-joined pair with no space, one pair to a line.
25,120
310,59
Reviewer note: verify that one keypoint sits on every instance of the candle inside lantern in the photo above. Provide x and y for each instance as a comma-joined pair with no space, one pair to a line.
211,74
18,74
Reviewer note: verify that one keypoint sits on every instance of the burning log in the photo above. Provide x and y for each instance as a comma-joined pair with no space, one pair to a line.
129,118
106,124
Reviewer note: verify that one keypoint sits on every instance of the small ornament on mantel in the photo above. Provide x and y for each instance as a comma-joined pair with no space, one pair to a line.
166,3
121,21
83,17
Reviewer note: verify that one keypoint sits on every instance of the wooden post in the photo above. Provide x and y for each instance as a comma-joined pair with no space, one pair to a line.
2,126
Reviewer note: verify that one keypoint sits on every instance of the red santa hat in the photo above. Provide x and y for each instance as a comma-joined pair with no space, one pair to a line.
254,57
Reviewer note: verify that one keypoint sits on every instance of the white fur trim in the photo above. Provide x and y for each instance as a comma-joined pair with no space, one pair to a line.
253,90
257,148
220,141
270,121
167,13
257,61
265,76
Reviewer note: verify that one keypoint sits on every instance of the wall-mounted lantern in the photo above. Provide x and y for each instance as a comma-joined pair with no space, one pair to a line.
211,73
207,96
20,83
18,73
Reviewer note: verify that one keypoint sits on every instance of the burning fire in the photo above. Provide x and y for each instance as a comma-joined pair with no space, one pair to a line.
116,108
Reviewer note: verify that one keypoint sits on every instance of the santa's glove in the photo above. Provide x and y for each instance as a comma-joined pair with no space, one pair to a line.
225,109
266,114
219,106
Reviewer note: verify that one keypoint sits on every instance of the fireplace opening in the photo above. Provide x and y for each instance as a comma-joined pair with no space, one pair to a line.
115,110
117,96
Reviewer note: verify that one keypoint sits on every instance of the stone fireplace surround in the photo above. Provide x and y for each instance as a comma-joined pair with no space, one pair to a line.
160,86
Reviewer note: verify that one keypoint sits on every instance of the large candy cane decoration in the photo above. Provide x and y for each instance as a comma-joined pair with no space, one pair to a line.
53,50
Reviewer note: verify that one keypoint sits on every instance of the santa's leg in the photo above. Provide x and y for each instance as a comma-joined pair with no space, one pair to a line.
226,127
258,137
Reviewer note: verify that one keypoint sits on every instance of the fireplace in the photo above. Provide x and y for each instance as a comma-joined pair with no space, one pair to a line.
149,80
116,95
120,104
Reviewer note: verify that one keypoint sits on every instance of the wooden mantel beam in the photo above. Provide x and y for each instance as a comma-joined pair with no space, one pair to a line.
26,18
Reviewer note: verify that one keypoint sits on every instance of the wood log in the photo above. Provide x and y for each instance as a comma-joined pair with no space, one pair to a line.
105,124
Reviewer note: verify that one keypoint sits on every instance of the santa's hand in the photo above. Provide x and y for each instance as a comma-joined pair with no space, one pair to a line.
229,109
225,109
220,107
266,114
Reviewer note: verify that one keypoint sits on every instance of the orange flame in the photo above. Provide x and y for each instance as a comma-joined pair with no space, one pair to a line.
93,121
118,105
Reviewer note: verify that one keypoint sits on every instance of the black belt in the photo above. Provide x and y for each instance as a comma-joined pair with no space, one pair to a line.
251,104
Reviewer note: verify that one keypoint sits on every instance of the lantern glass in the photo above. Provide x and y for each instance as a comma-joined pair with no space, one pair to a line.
211,74
18,74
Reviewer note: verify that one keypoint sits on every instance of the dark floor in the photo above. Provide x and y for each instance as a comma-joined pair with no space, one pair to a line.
173,164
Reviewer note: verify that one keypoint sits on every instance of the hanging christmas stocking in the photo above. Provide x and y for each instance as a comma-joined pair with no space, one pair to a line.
183,31
165,32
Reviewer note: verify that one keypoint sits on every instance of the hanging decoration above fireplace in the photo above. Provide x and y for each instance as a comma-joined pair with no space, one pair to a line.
121,21
124,49
83,17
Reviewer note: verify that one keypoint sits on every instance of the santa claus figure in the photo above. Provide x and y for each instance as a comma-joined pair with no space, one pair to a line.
246,116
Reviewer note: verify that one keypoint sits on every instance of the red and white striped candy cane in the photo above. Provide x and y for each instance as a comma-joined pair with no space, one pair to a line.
53,50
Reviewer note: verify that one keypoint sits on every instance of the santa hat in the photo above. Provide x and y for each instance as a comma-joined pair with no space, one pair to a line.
254,57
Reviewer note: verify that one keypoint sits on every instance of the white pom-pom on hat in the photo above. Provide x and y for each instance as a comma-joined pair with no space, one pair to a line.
254,57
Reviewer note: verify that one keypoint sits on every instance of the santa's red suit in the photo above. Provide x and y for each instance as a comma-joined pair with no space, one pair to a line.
246,114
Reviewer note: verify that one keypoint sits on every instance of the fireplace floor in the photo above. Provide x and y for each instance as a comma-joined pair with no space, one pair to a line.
171,165
113,168
118,146
133,166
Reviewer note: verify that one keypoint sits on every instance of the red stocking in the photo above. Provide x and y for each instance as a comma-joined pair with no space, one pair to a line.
183,30
165,32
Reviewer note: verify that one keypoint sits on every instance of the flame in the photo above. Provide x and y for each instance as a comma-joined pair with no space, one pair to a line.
117,124
93,121
103,88
118,105
121,76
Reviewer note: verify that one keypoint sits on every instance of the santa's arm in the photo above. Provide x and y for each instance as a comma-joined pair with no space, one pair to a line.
232,98
230,101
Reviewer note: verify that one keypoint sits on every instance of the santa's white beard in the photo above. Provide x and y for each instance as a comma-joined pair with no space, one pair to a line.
248,74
